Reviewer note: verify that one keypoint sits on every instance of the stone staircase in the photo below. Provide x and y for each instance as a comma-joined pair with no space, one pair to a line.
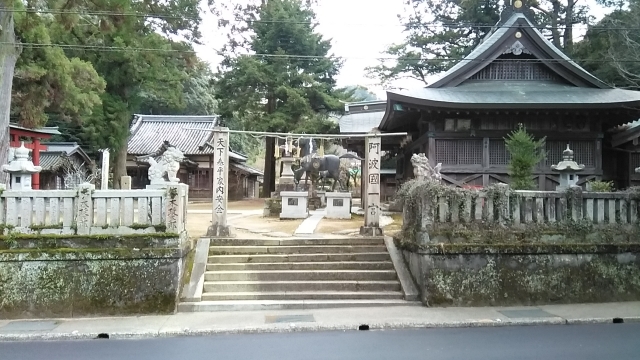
250,274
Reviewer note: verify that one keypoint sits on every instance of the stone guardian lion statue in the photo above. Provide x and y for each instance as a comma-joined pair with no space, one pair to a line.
166,168
422,170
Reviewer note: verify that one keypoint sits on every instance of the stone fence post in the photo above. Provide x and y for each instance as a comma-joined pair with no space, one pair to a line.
84,212
174,209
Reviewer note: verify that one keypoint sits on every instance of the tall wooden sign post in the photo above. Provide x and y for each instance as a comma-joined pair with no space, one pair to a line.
371,179
219,226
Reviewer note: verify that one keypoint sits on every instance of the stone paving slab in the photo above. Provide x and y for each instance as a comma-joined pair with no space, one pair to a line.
184,324
310,224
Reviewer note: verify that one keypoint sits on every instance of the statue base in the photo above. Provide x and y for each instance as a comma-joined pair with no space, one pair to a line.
219,231
370,231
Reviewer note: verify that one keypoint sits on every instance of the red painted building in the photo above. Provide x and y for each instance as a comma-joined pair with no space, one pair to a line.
32,140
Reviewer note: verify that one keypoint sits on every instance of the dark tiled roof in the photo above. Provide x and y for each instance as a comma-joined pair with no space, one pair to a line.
496,36
533,94
149,132
247,169
52,161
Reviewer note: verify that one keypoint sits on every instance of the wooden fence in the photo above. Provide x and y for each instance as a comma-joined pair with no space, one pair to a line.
87,211
523,207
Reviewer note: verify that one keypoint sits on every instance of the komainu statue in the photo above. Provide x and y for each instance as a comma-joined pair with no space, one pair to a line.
422,170
166,168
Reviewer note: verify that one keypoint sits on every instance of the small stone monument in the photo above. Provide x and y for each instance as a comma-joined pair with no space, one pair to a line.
568,170
20,168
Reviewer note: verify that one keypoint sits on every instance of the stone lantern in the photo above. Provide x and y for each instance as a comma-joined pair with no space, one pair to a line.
568,170
20,168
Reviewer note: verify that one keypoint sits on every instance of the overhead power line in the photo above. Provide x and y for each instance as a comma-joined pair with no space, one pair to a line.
306,57
461,25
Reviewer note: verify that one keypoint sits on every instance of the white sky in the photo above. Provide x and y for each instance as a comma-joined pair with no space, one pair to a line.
360,32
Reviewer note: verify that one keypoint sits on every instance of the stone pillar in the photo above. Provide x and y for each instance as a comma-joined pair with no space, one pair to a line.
371,178
219,226
174,212
104,182
84,214
125,183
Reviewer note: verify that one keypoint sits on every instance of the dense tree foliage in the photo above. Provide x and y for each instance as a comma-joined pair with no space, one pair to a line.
284,78
611,48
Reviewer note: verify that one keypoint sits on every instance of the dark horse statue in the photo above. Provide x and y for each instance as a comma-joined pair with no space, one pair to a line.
328,165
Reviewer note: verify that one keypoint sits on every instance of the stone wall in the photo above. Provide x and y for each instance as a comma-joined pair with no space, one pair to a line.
504,247
485,275
76,276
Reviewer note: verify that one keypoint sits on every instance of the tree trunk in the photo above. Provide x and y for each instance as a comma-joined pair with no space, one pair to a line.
568,29
120,161
9,53
555,16
269,184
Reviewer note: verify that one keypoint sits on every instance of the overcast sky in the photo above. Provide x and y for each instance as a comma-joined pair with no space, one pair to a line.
360,32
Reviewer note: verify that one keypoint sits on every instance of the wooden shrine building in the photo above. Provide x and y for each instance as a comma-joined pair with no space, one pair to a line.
148,136
515,76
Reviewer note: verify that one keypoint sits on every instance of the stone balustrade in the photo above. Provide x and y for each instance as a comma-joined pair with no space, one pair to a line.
86,211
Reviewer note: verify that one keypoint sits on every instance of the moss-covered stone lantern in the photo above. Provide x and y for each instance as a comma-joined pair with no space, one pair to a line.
568,170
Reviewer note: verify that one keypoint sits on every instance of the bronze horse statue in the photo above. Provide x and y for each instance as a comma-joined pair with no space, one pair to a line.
327,166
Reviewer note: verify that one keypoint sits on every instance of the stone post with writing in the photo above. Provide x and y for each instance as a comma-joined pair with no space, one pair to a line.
371,179
219,226
104,182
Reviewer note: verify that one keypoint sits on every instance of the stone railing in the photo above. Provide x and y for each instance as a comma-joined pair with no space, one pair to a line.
87,211
523,207
432,210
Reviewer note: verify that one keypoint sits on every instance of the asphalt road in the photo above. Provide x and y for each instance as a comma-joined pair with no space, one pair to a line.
565,342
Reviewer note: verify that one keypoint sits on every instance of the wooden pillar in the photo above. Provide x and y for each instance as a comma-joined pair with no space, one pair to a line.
431,150
373,149
219,225
35,178
485,161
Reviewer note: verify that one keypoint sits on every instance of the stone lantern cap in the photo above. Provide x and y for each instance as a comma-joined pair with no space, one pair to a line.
20,163
567,164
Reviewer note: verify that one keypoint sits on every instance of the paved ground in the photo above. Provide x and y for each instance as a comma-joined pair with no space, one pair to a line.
207,323
579,342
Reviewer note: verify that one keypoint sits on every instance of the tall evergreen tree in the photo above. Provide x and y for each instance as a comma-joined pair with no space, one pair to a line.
143,64
286,82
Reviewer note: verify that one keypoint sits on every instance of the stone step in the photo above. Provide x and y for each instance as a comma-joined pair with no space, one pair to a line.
300,275
279,258
250,305
303,295
290,242
274,286
313,265
296,249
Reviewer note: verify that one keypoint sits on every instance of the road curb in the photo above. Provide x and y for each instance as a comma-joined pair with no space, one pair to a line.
312,327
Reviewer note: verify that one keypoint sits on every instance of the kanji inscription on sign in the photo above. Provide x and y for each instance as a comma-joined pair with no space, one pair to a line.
373,152
220,175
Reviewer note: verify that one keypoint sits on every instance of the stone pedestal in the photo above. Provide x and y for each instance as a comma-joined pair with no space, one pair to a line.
370,231
294,205
338,205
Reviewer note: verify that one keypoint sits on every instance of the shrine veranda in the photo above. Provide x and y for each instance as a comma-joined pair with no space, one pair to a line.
370,176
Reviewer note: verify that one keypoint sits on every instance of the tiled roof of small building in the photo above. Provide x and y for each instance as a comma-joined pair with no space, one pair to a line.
149,132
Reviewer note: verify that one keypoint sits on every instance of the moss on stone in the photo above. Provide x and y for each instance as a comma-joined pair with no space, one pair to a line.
498,279
88,286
